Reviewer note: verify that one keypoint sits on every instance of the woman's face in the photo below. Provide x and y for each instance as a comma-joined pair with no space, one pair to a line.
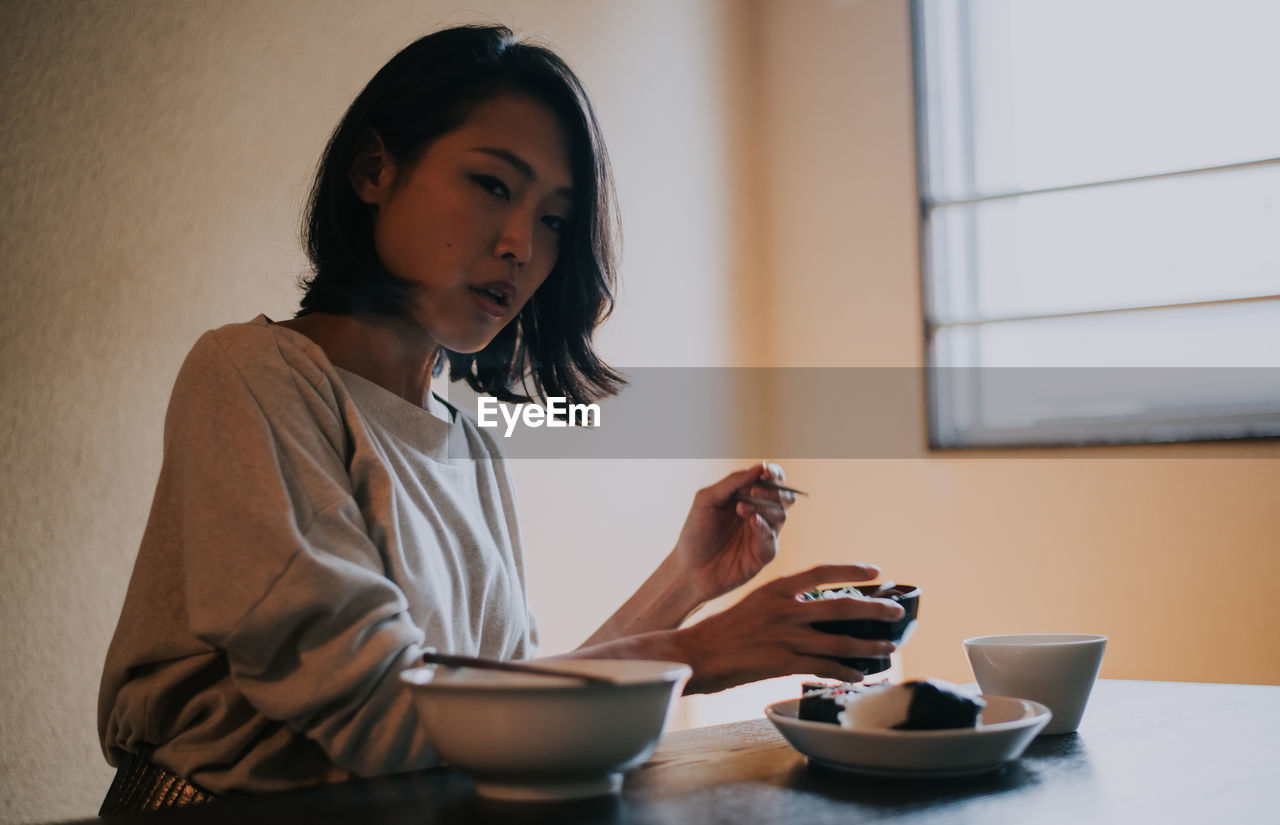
476,222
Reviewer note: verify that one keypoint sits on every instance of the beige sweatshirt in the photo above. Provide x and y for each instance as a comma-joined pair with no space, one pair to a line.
309,535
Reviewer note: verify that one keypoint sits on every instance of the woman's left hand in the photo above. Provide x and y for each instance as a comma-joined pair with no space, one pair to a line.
725,542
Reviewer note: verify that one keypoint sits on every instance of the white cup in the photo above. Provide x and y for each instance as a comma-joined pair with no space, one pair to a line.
1056,670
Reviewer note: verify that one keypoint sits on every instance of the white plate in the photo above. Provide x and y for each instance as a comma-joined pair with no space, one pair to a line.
1004,730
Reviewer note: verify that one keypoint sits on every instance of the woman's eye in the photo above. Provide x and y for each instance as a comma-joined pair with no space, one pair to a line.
492,185
556,222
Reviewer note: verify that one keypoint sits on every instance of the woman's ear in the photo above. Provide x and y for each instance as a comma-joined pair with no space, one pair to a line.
372,170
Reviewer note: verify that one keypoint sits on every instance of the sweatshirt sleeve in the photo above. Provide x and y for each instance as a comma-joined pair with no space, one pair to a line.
280,571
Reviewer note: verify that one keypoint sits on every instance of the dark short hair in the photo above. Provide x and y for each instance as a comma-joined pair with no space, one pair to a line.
425,91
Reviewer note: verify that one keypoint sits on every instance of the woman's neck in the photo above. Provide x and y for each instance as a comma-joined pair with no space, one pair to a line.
394,354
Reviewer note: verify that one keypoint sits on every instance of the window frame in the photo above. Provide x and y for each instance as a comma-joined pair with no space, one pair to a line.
965,385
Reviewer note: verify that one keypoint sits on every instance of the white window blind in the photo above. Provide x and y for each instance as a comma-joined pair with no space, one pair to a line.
1100,200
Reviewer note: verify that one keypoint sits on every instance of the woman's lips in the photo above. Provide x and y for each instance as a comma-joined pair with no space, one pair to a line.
489,301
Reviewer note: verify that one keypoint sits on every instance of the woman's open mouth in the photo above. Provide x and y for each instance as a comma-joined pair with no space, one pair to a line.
492,299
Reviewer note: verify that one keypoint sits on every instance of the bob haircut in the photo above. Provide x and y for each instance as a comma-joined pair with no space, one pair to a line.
425,91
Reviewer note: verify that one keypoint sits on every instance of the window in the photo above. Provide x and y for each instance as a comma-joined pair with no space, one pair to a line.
1100,200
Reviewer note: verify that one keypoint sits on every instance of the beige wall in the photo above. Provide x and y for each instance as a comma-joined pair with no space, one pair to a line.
1171,551
1120,542
155,158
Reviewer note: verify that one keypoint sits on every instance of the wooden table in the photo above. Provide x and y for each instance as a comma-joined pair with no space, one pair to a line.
1148,752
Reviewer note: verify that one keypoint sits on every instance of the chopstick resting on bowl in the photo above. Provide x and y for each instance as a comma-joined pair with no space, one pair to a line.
433,657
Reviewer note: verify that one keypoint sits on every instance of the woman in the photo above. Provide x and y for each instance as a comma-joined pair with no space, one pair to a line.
311,532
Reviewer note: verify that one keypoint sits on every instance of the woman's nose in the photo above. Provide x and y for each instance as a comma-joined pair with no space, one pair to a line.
516,241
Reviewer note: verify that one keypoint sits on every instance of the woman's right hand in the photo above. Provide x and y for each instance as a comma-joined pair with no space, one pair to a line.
769,633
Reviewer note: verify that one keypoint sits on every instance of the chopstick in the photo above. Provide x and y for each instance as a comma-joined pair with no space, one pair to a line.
773,485
756,502
433,657
766,502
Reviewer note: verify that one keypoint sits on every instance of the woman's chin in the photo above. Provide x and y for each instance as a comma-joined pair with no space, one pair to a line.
465,345
466,338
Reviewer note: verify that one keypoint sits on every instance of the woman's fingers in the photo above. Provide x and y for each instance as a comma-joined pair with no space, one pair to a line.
768,521
806,580
768,504
769,501
840,646
827,610
770,632
719,494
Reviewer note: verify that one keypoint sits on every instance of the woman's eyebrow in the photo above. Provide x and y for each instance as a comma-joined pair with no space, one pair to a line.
521,165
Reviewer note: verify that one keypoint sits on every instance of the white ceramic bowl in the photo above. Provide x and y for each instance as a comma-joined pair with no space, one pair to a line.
1057,670
1004,730
545,738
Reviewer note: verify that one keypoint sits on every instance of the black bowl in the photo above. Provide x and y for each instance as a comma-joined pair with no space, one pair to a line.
897,632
